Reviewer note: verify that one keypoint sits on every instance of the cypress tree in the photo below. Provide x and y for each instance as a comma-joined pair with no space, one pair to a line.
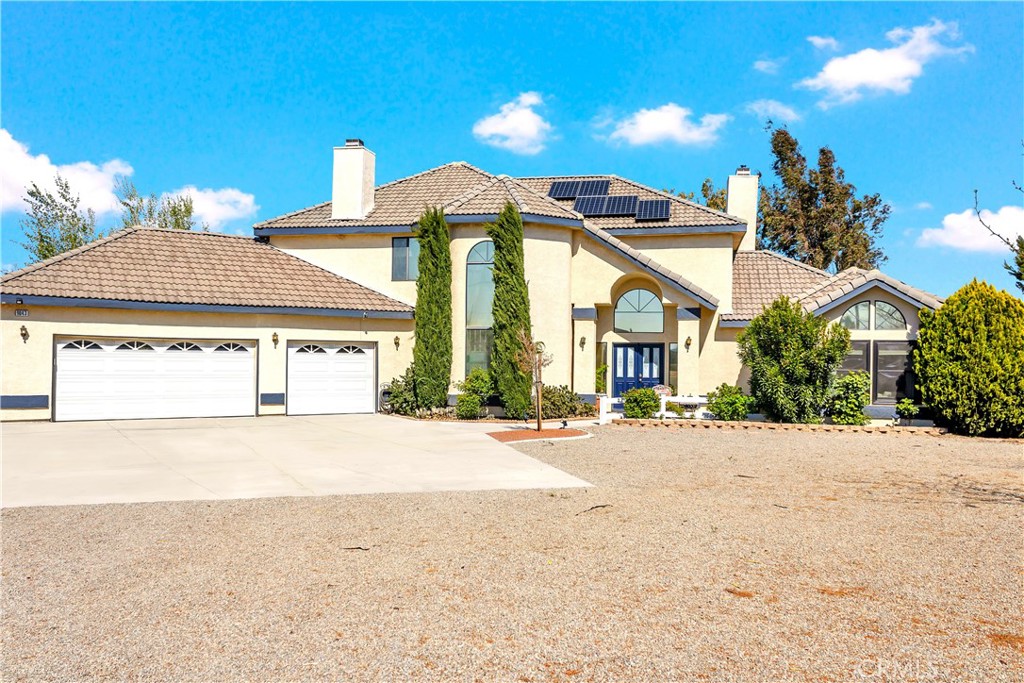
511,311
432,352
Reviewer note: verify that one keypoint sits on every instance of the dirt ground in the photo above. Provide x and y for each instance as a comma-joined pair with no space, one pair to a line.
696,556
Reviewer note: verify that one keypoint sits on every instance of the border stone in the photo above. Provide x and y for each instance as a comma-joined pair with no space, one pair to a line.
721,424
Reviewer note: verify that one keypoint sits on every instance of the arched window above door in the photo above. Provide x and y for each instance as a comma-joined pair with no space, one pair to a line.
639,310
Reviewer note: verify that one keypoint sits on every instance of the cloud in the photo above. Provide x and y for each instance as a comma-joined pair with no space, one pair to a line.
823,42
768,66
963,231
217,207
923,206
847,78
668,123
93,183
516,127
772,109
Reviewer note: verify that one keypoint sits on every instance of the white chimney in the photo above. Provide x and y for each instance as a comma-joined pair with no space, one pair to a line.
353,181
741,201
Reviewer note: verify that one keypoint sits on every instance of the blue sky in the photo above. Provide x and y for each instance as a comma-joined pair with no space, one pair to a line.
240,104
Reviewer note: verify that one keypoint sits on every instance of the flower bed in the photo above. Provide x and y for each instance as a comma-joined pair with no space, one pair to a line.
511,435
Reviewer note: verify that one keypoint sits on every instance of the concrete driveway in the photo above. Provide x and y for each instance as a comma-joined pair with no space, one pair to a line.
134,461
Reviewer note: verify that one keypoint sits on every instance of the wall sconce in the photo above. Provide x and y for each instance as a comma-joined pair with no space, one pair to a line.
274,338
583,342
24,334
689,340
398,342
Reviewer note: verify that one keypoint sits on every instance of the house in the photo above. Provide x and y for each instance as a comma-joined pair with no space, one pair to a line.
629,286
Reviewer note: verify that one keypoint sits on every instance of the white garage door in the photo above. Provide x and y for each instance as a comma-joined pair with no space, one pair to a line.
331,378
103,379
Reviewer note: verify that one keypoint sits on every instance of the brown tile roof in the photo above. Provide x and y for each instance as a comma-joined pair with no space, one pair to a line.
682,212
178,267
761,277
490,197
850,279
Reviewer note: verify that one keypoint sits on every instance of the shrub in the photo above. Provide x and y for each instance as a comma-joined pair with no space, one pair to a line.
969,362
728,402
682,409
432,351
560,402
601,379
467,406
850,395
640,404
906,409
478,383
792,356
403,398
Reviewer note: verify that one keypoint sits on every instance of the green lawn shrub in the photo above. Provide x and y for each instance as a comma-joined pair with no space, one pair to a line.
561,402
467,406
728,402
403,398
850,395
640,404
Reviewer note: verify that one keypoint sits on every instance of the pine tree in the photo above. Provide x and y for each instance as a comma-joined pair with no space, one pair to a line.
511,312
432,352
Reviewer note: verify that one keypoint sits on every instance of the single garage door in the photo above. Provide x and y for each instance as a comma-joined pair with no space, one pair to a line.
104,379
331,378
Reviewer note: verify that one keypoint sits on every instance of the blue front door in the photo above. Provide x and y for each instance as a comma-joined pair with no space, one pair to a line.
636,365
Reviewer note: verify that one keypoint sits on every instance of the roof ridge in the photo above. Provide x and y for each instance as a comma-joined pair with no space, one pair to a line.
469,194
805,266
32,267
523,188
431,170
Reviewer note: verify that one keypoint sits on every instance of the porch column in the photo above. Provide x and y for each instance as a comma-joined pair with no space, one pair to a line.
688,327
584,324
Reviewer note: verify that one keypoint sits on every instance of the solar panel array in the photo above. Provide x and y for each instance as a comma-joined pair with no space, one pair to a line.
652,210
564,189
590,206
606,205
592,187
592,199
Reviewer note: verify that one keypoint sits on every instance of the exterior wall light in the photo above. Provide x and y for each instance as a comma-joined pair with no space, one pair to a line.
583,342
274,338
24,334
398,342
689,340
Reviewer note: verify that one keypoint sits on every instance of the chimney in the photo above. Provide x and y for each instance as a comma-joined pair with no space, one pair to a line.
353,181
741,201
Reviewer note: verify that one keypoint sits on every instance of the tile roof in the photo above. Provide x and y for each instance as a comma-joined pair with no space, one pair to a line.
842,283
682,212
180,267
761,277
490,197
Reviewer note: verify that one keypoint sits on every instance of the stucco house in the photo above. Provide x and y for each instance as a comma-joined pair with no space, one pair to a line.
315,312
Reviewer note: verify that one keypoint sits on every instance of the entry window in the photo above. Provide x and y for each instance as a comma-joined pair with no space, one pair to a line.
856,316
888,317
479,306
673,367
405,258
893,377
639,310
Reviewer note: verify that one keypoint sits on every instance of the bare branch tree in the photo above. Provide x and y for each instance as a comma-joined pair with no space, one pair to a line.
532,359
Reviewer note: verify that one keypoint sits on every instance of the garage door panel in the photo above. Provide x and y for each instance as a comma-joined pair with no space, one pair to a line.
325,378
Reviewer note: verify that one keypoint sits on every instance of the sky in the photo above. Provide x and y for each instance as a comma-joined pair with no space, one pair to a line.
241,104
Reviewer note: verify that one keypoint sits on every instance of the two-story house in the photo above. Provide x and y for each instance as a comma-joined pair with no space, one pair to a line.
629,286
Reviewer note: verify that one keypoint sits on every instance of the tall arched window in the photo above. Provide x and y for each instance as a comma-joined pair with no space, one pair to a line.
639,310
479,299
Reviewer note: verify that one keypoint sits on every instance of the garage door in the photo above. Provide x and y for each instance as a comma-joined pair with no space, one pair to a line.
331,378
103,379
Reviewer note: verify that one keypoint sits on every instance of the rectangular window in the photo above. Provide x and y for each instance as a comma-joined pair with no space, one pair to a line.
858,359
601,376
405,258
673,367
893,377
478,349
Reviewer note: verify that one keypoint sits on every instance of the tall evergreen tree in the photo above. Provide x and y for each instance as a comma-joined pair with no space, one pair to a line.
815,215
511,312
55,224
432,352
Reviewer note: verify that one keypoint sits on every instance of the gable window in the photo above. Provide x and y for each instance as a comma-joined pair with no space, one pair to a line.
639,310
888,317
479,300
405,258
856,316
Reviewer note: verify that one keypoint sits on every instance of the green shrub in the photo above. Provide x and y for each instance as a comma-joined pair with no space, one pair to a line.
728,402
969,362
478,383
432,351
467,406
560,402
601,379
850,395
792,356
403,398
640,404
906,409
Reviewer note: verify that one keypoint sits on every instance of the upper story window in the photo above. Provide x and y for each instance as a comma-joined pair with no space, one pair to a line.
479,302
856,316
405,258
888,317
639,310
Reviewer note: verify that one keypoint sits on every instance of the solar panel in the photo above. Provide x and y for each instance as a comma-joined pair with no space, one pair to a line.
620,205
652,210
564,189
593,187
591,205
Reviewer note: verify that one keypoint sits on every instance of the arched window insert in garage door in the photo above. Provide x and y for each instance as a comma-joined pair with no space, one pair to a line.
310,348
83,344
134,346
350,349
184,346
231,346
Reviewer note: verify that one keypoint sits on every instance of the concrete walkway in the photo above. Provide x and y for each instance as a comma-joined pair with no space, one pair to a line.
133,461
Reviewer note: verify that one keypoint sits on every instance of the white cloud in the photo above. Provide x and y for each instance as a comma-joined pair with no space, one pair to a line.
963,231
823,42
668,123
217,207
516,127
847,78
923,206
93,183
768,66
773,109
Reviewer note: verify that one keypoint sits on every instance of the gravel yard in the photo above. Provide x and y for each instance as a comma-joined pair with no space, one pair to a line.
697,556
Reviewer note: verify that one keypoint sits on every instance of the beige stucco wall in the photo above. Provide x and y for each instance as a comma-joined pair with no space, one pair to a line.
27,367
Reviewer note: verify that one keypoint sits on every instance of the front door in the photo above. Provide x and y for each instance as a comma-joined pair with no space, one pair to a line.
636,365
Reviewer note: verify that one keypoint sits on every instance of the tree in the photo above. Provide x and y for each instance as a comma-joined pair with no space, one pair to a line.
531,360
969,362
713,199
511,311
814,216
55,224
792,355
1016,270
170,212
432,352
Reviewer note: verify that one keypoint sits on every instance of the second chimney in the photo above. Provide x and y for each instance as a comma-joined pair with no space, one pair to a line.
352,197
